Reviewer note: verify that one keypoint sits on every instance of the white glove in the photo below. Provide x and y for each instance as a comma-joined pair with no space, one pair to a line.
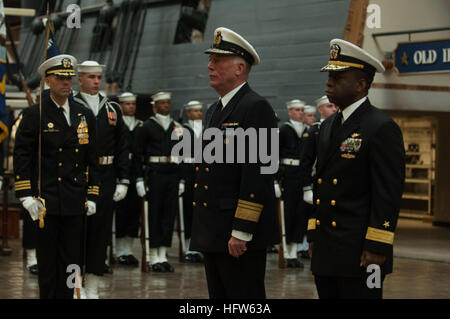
181,188
308,196
33,206
92,208
140,188
120,193
1,182
277,190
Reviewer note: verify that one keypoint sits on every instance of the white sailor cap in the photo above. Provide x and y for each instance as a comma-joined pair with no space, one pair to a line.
90,67
323,100
193,105
345,55
228,42
310,109
295,103
61,65
161,96
126,97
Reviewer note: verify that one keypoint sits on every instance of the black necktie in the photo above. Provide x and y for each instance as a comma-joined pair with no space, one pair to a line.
216,115
337,124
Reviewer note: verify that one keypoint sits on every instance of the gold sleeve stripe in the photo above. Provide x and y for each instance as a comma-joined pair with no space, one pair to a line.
21,188
311,224
382,236
22,183
250,204
248,211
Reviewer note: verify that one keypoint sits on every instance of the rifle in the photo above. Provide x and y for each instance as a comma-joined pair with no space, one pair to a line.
281,251
181,228
145,236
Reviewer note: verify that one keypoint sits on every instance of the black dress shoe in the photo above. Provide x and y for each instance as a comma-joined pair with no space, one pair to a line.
124,260
132,260
158,267
289,263
108,269
304,254
33,269
298,264
168,267
198,258
189,258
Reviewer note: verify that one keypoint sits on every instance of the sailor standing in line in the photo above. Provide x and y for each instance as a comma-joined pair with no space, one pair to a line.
128,210
114,159
292,136
159,178
194,112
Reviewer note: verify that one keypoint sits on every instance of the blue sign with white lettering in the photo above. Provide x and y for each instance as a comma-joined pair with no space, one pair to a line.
419,57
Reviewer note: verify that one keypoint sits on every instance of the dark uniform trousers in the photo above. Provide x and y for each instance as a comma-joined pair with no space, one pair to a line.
235,197
128,210
67,152
236,278
29,230
66,233
296,211
112,137
357,195
162,179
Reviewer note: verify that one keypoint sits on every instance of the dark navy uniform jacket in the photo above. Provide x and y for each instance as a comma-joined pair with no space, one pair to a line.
235,196
67,153
357,192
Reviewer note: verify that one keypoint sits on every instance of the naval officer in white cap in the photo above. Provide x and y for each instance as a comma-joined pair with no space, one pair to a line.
359,182
128,210
66,133
235,215
114,157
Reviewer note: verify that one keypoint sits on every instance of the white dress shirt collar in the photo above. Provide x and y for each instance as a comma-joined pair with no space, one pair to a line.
227,97
352,108
164,120
65,107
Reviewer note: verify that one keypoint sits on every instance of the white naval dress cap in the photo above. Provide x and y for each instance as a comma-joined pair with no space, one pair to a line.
323,100
310,109
228,42
193,105
126,97
161,96
62,65
90,67
345,55
295,103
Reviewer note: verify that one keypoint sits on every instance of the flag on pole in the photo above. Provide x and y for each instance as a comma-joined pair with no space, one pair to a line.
3,116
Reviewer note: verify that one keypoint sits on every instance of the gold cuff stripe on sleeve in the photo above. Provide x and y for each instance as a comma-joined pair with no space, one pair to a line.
248,211
311,224
22,183
93,193
380,235
250,204
21,188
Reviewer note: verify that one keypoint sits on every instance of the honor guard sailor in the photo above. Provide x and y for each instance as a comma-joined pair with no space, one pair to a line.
235,214
65,132
194,112
292,136
128,210
159,178
359,181
114,159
